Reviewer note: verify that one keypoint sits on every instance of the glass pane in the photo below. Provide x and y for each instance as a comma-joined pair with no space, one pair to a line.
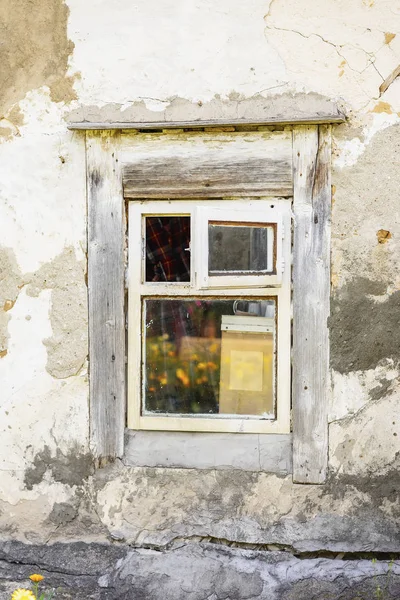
167,248
240,249
209,357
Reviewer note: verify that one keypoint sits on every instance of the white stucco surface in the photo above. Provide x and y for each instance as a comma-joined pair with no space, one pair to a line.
155,51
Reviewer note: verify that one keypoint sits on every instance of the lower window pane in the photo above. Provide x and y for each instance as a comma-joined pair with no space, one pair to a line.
209,357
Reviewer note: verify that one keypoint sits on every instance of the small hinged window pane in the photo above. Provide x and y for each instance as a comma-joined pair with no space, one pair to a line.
238,248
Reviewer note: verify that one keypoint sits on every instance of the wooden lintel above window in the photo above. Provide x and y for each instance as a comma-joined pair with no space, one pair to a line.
318,119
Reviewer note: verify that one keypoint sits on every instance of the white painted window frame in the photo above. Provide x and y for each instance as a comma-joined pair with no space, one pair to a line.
269,216
138,289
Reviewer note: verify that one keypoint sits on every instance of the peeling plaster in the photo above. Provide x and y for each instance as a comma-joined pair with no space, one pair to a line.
34,35
366,201
353,390
67,348
363,332
366,445
70,469
285,106
10,283
350,149
158,506
63,513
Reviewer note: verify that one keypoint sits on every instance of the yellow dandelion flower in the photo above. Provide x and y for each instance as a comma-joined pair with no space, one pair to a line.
36,577
22,594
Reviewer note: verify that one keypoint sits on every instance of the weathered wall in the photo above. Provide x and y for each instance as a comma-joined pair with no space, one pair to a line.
121,60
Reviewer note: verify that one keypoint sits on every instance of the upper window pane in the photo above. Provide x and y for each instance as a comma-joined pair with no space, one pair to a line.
240,249
167,248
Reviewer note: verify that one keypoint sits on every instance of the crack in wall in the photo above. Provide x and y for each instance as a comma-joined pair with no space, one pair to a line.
339,48
335,46
181,542
178,542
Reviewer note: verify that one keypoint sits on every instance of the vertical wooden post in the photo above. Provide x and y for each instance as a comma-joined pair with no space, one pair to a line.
311,294
106,240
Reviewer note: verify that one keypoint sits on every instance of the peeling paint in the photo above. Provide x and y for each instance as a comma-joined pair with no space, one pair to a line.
10,283
383,107
67,348
389,37
283,106
63,513
366,201
35,35
383,236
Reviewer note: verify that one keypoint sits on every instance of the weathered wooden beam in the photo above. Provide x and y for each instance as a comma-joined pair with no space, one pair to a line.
259,164
106,239
311,293
320,118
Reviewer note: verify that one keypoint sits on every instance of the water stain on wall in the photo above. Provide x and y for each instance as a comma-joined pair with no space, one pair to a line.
35,50
70,468
363,331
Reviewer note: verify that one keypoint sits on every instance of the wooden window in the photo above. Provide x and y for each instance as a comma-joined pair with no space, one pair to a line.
292,164
205,352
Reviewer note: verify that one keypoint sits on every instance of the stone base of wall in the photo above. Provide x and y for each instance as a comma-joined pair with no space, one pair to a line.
195,571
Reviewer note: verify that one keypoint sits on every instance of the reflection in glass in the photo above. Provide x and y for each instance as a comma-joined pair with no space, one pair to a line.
167,248
209,357
239,248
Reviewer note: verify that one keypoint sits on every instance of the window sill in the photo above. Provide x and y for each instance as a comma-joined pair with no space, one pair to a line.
185,450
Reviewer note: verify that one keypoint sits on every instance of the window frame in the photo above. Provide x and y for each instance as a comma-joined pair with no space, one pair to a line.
293,161
137,291
266,217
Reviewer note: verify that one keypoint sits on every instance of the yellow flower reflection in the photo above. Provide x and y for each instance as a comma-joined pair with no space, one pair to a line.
181,375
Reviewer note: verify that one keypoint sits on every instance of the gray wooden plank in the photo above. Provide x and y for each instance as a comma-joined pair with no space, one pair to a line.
106,239
311,293
320,118
205,176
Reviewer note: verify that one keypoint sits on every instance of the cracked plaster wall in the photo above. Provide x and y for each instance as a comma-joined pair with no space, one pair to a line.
123,59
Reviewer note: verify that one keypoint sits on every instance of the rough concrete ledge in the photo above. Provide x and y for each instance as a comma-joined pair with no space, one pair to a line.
195,571
236,110
247,452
